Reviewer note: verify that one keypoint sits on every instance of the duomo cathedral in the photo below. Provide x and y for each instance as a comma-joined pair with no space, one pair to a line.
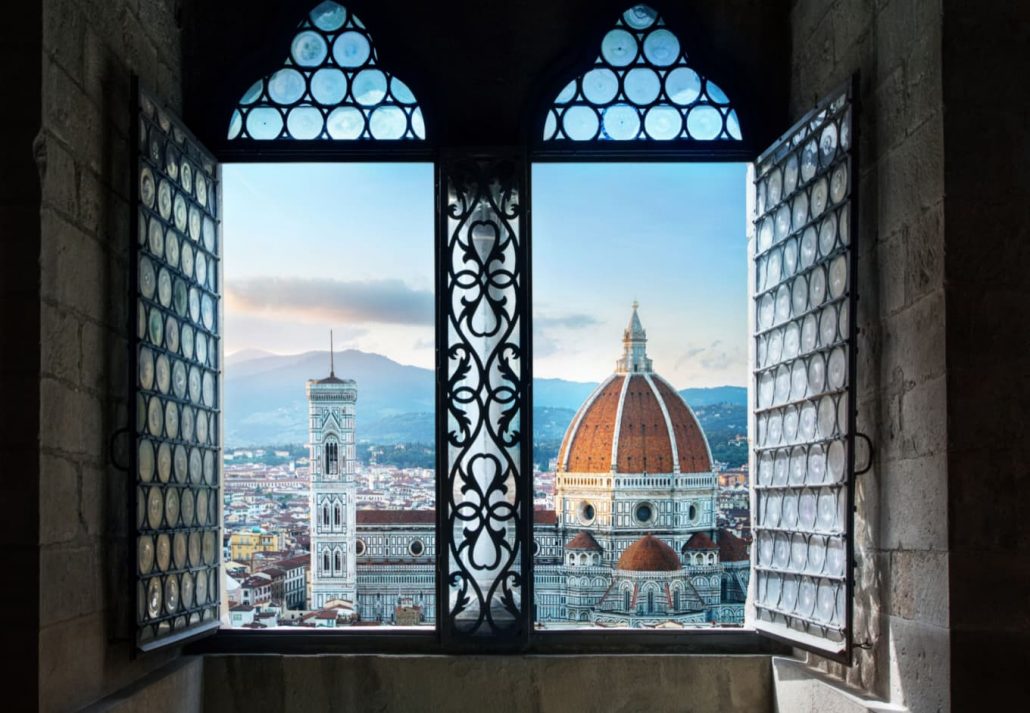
633,540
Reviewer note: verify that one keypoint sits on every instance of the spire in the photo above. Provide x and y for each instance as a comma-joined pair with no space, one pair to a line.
332,371
634,347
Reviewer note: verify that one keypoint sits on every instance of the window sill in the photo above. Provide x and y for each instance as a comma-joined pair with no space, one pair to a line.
700,642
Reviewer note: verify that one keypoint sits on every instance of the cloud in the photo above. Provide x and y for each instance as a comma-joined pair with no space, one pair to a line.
326,299
568,321
714,357
548,328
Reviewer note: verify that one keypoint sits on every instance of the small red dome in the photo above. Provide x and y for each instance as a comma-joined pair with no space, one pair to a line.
583,541
700,541
649,554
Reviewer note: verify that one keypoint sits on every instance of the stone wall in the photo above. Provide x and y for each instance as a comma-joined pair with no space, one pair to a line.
500,684
987,147
901,605
90,48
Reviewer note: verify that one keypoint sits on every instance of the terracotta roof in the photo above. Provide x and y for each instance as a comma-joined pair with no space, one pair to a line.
690,439
731,547
545,517
700,541
649,554
294,562
643,443
396,517
583,541
590,451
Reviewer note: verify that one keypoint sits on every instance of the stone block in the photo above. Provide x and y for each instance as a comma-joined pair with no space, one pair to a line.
69,579
60,347
919,659
914,338
73,267
59,500
918,416
60,177
911,178
915,493
70,420
64,33
918,586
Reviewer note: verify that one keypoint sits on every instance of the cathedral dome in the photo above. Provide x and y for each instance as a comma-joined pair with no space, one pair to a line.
649,554
583,541
634,422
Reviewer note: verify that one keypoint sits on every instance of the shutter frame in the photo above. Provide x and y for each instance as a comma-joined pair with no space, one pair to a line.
187,548
799,630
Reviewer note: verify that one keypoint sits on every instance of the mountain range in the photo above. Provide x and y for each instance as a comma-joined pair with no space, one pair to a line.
265,401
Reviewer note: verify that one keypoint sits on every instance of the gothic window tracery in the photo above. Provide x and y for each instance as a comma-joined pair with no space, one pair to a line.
641,88
330,87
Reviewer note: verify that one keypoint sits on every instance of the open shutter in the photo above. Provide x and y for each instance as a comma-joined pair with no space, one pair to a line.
176,350
804,381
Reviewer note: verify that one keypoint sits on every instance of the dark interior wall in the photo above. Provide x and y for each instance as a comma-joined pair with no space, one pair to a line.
901,520
89,49
482,70
987,264
20,38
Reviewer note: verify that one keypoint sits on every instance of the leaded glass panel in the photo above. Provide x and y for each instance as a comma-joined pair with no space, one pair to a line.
641,88
804,272
330,87
485,494
177,379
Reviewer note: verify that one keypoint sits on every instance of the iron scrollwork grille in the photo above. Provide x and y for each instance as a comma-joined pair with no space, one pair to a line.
174,364
485,492
804,380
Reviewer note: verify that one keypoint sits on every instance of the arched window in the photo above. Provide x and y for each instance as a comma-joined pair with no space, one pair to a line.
338,561
331,455
337,519
626,599
641,88
330,87
676,599
326,566
325,514
650,601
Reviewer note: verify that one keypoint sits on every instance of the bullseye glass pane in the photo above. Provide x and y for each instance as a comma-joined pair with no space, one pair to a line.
181,254
330,87
641,61
809,380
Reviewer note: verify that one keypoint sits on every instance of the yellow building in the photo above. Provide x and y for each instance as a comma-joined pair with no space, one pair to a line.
243,545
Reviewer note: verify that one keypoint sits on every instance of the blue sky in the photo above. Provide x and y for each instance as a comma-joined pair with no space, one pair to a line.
349,246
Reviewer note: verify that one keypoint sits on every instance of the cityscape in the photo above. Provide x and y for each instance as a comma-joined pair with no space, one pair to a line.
340,530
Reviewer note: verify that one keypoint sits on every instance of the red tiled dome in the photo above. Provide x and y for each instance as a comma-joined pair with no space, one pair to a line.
583,541
642,419
634,422
649,554
700,541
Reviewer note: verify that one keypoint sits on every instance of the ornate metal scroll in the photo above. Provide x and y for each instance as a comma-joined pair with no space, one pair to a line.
485,492
330,87
641,88
804,381
175,369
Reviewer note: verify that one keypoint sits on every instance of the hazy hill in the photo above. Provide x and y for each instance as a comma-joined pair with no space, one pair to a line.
265,400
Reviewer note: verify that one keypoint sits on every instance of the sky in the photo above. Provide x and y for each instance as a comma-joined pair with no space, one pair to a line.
349,247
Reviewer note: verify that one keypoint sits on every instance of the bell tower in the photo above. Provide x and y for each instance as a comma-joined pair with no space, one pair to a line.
331,414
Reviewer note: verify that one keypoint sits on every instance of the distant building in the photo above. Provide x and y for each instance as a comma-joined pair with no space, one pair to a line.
243,545
634,541
331,405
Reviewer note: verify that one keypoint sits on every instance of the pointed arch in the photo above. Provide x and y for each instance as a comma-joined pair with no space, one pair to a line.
641,87
330,87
